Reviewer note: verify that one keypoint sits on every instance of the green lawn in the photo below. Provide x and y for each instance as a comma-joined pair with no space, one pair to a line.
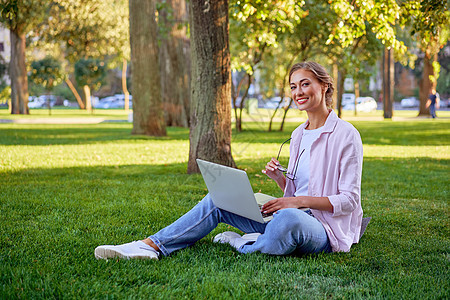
66,189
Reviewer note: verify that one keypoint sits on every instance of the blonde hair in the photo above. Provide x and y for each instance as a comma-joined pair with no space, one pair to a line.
321,75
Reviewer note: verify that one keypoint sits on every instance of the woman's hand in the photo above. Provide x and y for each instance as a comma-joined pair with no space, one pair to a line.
272,171
280,203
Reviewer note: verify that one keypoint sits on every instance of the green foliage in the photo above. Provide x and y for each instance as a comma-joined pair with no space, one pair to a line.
22,16
3,69
357,17
428,17
36,89
427,21
46,72
67,189
89,28
5,94
5,89
91,72
8,10
165,19
257,27
64,92
443,82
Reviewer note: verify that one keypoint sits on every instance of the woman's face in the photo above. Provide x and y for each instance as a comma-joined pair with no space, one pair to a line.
307,92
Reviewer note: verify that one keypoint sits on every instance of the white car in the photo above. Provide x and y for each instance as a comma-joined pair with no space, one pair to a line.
366,104
410,102
348,99
116,101
35,102
42,101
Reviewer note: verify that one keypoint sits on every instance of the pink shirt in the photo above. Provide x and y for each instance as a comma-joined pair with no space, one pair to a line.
335,172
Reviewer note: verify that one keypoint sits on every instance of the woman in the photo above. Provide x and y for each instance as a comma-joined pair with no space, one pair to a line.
324,174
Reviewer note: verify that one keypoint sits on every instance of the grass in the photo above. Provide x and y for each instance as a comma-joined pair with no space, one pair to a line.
66,189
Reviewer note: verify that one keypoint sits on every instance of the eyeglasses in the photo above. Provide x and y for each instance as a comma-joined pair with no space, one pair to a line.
283,169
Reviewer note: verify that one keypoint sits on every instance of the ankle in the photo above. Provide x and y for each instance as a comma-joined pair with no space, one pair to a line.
151,244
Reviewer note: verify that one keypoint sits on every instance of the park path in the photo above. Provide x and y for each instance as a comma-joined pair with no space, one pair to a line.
59,121
253,118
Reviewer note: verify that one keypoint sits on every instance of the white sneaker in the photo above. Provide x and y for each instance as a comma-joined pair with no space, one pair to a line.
136,250
230,237
251,236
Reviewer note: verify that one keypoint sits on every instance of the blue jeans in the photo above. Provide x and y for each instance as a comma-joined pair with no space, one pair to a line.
433,110
290,231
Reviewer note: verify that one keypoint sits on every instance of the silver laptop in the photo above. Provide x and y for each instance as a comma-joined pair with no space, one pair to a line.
230,190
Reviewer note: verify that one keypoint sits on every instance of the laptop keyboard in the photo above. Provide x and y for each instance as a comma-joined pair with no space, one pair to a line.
264,215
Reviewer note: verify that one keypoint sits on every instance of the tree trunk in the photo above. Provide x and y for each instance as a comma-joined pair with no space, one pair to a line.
335,78
388,83
425,83
340,88
285,81
148,114
87,97
285,114
241,105
124,84
210,129
18,74
75,93
175,65
234,96
281,95
356,97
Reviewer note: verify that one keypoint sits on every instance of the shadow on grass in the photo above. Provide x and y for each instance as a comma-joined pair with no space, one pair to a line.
411,133
374,133
52,219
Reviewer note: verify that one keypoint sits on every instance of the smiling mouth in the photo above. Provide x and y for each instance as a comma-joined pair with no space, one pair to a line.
302,100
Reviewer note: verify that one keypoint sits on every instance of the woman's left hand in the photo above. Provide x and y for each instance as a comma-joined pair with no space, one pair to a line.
280,203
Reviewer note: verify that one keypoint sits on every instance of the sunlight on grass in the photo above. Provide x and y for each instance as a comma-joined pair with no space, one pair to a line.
68,188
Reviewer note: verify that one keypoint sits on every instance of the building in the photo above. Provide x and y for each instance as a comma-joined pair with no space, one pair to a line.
5,48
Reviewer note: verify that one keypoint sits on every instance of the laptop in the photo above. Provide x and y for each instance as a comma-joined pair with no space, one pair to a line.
230,190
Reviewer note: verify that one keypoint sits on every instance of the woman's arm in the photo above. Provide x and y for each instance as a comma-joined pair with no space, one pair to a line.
319,203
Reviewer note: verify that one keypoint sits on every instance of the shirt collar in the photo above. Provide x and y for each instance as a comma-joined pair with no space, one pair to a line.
330,123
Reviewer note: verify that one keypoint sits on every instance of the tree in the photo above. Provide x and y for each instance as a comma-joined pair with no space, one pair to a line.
174,61
148,116
46,72
90,74
82,29
356,20
311,39
20,22
304,41
429,21
210,129
256,30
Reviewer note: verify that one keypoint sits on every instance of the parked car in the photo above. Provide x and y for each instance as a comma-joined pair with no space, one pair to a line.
409,102
42,101
366,104
444,103
35,102
348,99
116,101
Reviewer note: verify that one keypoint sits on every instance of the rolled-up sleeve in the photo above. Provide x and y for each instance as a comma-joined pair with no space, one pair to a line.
349,182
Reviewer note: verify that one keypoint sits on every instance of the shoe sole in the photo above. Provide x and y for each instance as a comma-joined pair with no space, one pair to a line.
102,253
